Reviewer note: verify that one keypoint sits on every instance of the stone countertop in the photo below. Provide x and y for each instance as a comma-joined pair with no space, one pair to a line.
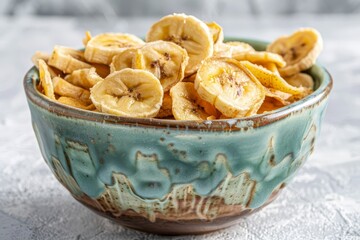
322,201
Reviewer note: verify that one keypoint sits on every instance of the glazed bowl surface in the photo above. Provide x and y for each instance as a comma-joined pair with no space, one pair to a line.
176,177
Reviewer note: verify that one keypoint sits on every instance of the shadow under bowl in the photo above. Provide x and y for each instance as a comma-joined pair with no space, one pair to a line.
176,177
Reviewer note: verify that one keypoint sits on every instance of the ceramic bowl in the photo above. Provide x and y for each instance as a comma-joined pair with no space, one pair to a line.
176,177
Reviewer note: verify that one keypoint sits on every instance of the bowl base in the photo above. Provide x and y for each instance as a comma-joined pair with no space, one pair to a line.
180,227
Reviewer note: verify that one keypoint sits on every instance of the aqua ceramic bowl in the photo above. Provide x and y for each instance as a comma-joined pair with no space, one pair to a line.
176,177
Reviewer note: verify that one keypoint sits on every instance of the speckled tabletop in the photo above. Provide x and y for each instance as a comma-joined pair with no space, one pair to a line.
322,202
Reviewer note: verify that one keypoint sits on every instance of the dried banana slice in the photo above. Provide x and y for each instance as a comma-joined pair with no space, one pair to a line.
103,47
45,56
185,101
301,80
216,32
85,78
128,93
87,38
77,103
269,104
166,107
188,32
123,60
229,48
278,95
166,60
271,67
272,80
45,79
299,50
66,89
229,86
259,57
67,59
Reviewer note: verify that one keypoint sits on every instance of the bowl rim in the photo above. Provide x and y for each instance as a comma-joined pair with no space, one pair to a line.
259,120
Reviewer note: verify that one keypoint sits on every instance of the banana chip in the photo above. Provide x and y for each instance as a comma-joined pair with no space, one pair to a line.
229,86
103,47
85,78
45,79
272,80
166,107
67,59
45,56
216,32
301,80
189,33
66,89
259,57
299,50
128,93
269,104
229,49
76,103
123,60
185,103
166,60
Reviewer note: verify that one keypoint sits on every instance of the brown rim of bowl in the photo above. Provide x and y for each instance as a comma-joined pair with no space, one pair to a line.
324,83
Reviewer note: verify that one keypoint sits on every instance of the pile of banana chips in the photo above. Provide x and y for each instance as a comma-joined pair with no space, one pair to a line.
183,71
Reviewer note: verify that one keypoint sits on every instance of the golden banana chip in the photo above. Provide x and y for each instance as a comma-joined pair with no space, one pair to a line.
216,32
85,78
123,60
103,47
45,56
229,86
299,50
77,103
189,33
67,59
66,89
259,57
229,49
45,79
269,104
166,107
128,93
301,80
185,104
271,80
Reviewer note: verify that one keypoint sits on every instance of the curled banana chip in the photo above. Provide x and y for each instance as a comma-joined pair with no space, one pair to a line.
300,80
299,50
166,60
216,32
67,59
66,89
85,78
103,47
228,49
229,86
77,103
129,93
272,80
123,60
271,67
166,107
185,101
189,33
259,57
282,97
269,104
87,38
45,56
45,79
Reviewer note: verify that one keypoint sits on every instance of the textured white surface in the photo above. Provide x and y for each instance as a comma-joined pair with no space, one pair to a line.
322,202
